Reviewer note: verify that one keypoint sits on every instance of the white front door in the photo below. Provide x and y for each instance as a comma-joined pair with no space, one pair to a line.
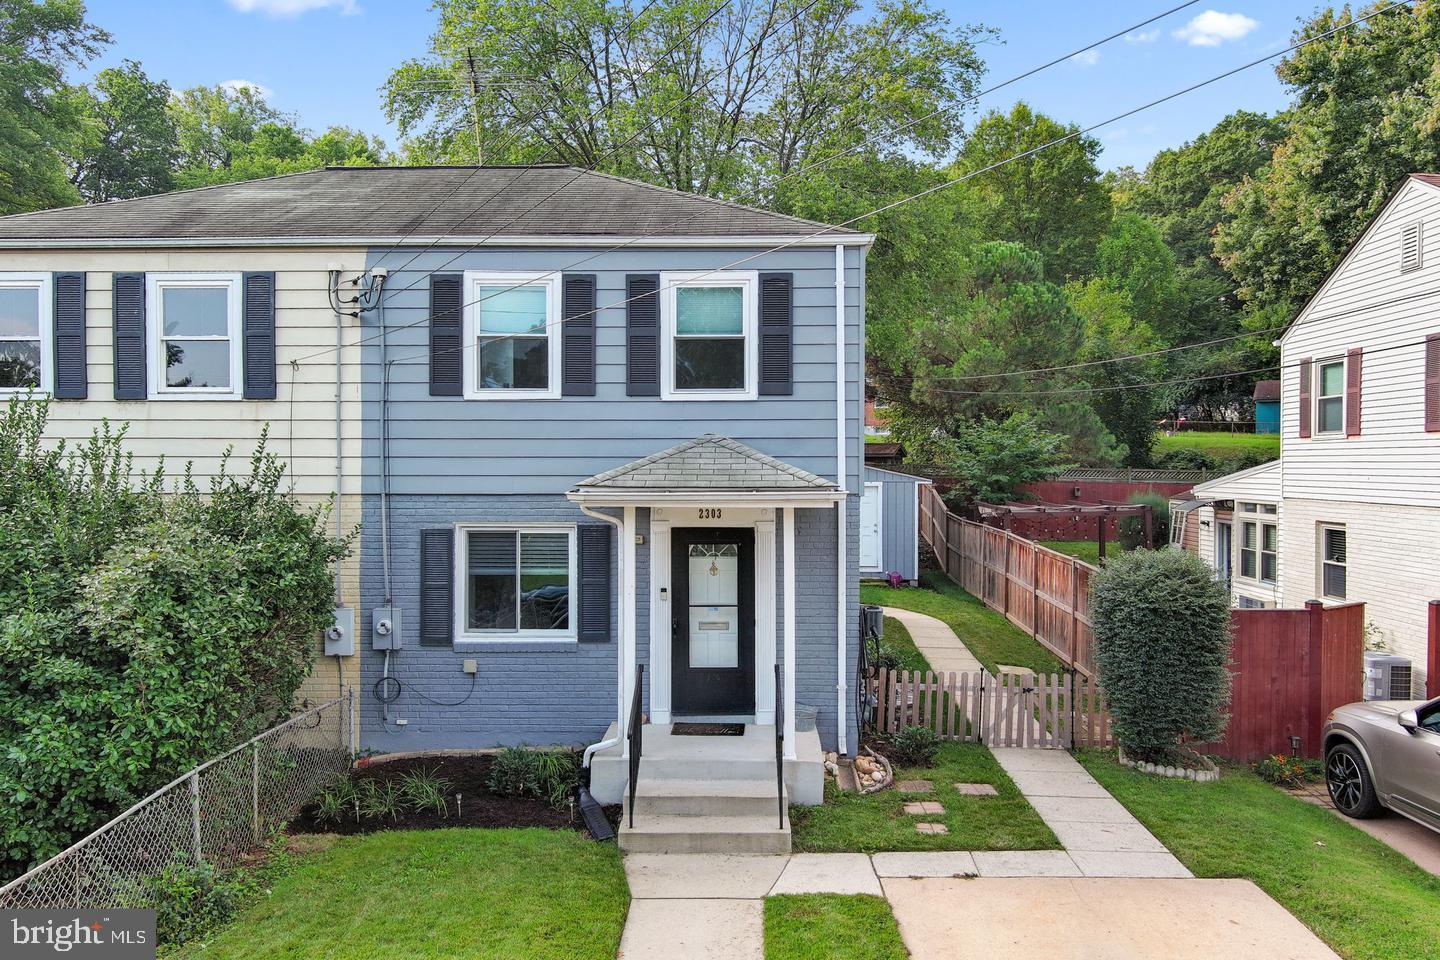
870,527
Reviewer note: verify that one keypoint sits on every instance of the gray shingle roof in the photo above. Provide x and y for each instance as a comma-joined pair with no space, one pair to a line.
710,462
389,202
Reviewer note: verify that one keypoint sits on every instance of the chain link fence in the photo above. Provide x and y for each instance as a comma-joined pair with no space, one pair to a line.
216,815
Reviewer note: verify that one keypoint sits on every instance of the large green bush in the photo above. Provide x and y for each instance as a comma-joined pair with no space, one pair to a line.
144,626
1162,640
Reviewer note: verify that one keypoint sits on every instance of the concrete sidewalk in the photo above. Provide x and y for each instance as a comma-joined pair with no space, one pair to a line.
934,638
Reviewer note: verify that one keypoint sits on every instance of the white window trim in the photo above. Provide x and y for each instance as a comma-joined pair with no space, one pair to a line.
1321,561
42,283
749,282
879,489
155,284
462,635
1255,513
470,350
1320,365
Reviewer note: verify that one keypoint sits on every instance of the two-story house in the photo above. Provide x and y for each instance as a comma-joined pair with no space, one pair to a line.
1351,510
596,434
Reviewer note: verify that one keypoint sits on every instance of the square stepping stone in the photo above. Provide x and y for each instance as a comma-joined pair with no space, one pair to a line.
976,790
915,786
924,808
931,828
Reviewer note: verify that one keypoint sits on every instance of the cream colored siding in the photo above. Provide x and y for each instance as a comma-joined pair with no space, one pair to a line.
1258,485
1393,460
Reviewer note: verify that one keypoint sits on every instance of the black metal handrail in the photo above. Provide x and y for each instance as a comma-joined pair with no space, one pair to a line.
779,748
635,737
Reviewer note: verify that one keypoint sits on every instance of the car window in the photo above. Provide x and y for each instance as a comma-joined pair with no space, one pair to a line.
1430,718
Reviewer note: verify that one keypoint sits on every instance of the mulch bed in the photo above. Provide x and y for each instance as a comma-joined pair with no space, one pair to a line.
478,806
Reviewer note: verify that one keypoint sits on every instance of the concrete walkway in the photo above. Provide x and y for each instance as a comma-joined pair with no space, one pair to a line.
936,641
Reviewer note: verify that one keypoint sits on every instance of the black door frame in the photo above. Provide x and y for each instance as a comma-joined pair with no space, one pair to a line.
711,691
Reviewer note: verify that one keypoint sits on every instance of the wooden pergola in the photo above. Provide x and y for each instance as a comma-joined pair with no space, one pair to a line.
1004,515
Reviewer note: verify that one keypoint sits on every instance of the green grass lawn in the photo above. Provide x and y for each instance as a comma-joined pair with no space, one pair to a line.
848,822
1358,895
898,639
422,894
1220,444
835,926
993,639
1087,551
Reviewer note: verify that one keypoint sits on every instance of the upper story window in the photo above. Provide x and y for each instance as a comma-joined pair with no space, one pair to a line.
512,335
516,582
1330,397
708,333
194,335
1259,542
1334,559
25,330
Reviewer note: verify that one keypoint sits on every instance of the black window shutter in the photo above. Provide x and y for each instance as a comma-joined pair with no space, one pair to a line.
577,337
595,552
437,587
445,326
70,378
777,311
642,335
258,291
128,311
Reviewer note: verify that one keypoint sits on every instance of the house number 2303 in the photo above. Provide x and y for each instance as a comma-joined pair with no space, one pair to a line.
710,513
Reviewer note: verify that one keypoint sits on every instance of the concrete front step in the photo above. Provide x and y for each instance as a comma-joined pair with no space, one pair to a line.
673,833
701,798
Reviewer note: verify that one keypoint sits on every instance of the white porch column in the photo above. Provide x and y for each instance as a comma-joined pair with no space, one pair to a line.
765,622
661,616
627,624
789,661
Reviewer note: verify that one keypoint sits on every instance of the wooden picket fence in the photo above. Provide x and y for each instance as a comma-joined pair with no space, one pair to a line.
1060,710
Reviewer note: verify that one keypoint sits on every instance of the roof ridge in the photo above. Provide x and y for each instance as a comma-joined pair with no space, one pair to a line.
732,446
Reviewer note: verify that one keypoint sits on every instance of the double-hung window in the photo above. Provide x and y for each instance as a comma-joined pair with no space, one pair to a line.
25,332
512,335
1330,397
194,335
1259,542
1334,560
515,582
708,331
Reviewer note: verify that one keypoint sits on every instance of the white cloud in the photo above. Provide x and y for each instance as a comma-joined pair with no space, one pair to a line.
1212,28
235,86
1144,36
1087,58
292,8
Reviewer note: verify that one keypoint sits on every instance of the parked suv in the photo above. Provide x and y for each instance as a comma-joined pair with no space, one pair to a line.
1385,754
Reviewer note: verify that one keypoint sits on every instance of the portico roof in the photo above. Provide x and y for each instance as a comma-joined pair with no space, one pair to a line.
708,467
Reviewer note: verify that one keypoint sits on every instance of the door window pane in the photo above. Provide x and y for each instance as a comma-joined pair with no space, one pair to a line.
490,580
714,615
544,581
709,338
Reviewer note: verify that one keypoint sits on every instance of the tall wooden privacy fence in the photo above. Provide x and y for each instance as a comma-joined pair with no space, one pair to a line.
1012,710
1044,593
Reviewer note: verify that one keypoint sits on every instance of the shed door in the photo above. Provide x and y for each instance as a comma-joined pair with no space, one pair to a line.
870,527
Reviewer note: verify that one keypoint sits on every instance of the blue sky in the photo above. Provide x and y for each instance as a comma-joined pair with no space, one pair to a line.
324,60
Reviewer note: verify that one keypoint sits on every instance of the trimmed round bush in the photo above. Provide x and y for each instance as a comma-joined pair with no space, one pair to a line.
1162,640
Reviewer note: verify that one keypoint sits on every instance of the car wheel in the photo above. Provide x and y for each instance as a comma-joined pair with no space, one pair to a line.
1351,789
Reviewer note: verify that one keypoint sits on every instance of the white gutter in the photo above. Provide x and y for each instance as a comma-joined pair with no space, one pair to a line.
842,630
716,498
444,240
621,593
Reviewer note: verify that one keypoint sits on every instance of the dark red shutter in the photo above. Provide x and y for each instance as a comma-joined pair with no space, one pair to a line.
1305,411
1432,382
1352,392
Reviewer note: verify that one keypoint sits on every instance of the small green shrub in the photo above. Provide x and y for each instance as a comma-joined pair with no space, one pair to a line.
916,746
550,775
426,790
381,798
193,899
888,658
1162,641
1290,771
336,801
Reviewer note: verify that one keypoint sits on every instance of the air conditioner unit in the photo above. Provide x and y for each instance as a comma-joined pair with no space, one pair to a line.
1387,677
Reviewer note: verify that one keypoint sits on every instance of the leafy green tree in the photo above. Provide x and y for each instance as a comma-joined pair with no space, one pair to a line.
986,460
690,94
38,41
1053,201
1121,397
127,145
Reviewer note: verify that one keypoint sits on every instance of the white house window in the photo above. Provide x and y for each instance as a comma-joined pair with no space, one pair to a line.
516,582
194,335
1334,560
709,335
512,335
1259,543
24,332
1330,397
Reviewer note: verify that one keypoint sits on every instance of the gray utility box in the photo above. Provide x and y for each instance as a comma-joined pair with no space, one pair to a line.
340,635
385,629
872,621
1387,677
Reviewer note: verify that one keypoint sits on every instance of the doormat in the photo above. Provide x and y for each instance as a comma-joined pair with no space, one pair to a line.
708,729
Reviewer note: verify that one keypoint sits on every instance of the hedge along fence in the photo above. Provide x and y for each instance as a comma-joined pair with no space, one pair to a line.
214,814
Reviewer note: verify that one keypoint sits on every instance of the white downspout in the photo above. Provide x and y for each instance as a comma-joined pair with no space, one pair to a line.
623,593
842,560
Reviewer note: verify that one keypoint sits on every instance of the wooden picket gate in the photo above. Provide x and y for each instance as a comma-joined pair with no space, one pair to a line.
1058,710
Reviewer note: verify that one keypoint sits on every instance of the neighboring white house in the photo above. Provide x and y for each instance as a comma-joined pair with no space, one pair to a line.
1351,512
